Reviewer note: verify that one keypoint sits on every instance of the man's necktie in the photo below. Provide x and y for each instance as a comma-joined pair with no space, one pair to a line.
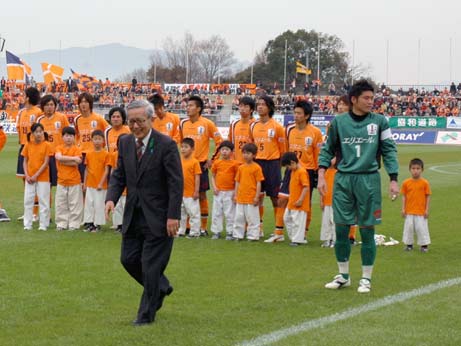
139,146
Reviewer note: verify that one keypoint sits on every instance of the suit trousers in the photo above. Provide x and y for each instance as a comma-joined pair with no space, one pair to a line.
145,256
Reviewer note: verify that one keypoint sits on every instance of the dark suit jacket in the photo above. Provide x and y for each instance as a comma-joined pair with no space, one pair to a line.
155,183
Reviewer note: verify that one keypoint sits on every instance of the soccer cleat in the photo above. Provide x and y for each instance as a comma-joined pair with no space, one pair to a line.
20,218
338,282
364,286
326,243
216,236
3,216
203,233
275,238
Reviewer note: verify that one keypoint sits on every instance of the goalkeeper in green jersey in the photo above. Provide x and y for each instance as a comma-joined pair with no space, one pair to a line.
358,139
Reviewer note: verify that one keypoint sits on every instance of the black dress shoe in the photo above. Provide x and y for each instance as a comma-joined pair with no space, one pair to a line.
162,296
140,323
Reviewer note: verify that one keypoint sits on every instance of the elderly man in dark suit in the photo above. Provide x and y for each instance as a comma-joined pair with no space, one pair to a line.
149,166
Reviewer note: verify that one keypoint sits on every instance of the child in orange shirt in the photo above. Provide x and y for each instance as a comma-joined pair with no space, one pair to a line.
416,194
327,231
223,182
36,153
247,190
3,215
97,164
69,195
298,202
190,207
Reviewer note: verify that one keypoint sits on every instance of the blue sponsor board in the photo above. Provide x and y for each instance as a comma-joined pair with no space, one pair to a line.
414,136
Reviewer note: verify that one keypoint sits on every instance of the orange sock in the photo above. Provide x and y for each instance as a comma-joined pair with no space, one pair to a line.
204,213
279,220
353,231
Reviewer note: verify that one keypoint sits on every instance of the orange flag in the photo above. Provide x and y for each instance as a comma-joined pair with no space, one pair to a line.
52,73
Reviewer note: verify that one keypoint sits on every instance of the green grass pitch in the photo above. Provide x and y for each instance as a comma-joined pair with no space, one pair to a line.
70,289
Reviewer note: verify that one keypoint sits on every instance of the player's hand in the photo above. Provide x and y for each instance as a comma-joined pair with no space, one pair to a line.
256,201
394,189
298,203
109,209
172,227
195,195
322,186
403,213
215,192
426,215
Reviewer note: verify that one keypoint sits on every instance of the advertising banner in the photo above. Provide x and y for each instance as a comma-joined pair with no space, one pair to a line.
418,122
9,127
453,123
414,136
449,137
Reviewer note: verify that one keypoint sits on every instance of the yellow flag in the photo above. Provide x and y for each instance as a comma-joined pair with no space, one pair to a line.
300,68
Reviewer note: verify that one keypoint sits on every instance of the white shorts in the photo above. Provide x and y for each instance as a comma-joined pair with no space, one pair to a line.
416,224
328,231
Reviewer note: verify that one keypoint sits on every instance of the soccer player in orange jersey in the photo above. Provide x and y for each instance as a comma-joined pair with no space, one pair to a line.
24,120
53,122
164,122
239,130
305,140
201,130
269,137
118,127
85,123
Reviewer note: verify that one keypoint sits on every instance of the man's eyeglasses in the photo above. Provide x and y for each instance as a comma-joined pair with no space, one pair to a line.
139,122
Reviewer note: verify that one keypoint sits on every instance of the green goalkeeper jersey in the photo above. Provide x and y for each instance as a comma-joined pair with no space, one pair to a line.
358,143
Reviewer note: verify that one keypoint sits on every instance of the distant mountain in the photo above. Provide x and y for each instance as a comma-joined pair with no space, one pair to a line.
110,60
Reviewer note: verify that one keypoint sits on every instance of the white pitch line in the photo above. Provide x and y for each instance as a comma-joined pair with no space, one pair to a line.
323,321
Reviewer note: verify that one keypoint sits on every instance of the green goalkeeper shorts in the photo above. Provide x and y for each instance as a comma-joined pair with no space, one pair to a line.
357,199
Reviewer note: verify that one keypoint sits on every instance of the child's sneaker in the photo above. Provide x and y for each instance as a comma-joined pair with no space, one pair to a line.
274,238
364,286
95,229
338,282
326,243
229,237
216,236
42,229
424,248
408,248
4,216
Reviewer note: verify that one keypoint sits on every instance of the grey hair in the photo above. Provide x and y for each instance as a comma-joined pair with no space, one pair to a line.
149,108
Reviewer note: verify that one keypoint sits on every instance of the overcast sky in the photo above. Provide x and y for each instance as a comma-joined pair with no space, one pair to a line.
30,26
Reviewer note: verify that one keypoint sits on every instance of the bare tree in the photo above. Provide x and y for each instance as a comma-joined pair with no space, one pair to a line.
140,74
215,58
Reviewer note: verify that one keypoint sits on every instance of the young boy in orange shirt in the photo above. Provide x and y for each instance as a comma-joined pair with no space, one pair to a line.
3,215
69,195
327,230
247,190
416,195
223,173
298,207
36,153
97,164
190,207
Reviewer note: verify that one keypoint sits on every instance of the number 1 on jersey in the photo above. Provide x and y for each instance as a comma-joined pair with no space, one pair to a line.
357,151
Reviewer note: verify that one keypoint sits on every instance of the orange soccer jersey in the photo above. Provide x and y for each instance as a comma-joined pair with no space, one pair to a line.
415,192
2,139
330,180
96,163
239,134
84,126
24,120
298,181
190,169
36,154
53,127
248,175
169,125
224,172
269,137
305,143
111,136
201,131
68,175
